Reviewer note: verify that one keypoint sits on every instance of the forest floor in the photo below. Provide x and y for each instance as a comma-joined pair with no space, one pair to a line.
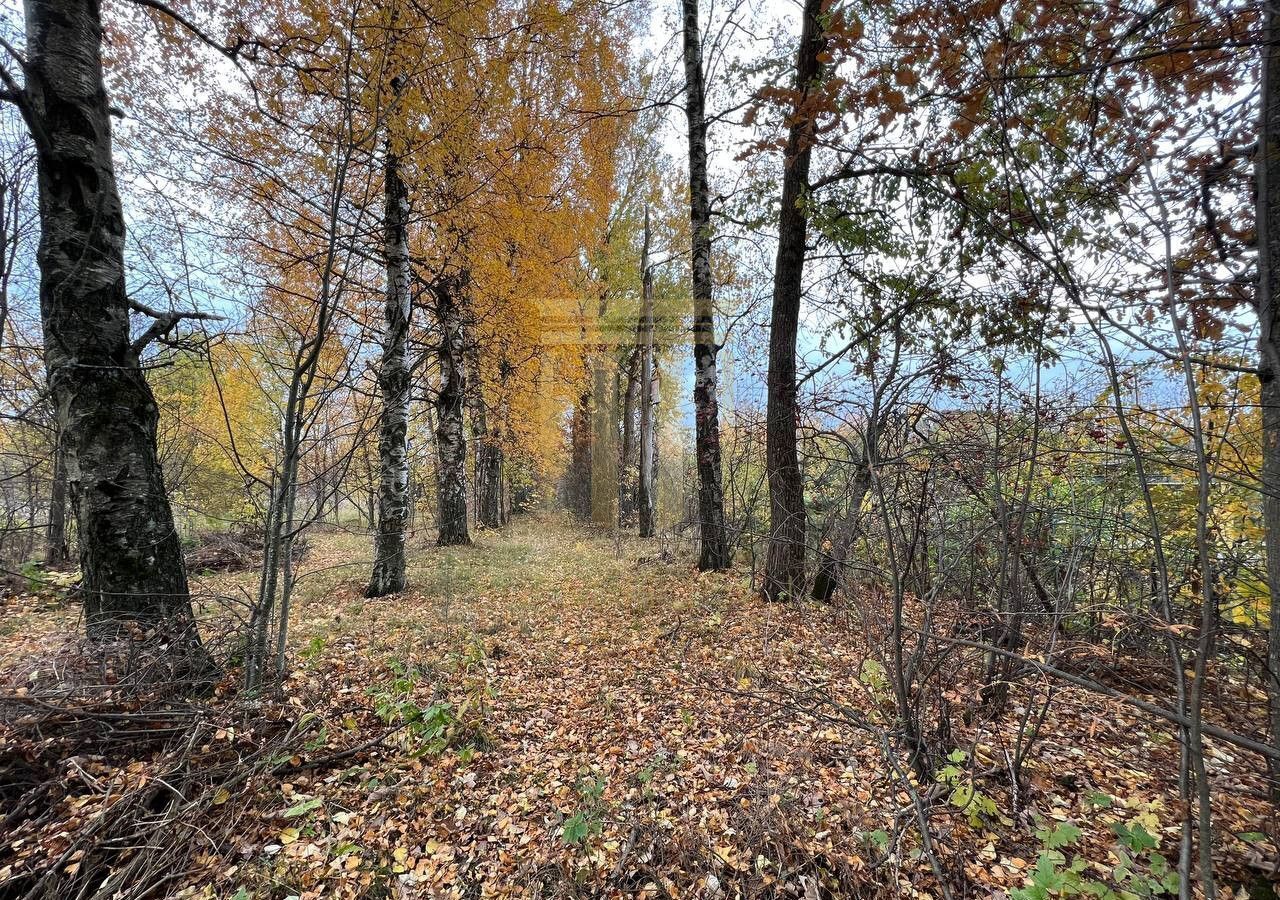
554,713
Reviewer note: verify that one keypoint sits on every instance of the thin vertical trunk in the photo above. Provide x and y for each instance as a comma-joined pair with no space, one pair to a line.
57,554
648,443
32,496
603,476
287,534
627,461
1267,176
451,440
489,465
434,477
320,492
578,484
604,459
278,540
8,247
506,496
279,530
714,552
268,573
655,459
494,505
130,554
784,564
473,401
393,384
488,446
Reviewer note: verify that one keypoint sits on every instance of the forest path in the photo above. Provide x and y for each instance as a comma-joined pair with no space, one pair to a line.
623,709
617,724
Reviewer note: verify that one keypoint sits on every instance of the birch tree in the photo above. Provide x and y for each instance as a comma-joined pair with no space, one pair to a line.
393,384
130,555
714,550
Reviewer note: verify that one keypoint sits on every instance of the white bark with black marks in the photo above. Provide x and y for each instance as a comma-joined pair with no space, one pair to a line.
130,553
714,544
645,500
627,459
393,384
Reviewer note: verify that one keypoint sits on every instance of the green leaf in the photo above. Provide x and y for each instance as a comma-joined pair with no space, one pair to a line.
1138,838
575,829
303,808
1065,835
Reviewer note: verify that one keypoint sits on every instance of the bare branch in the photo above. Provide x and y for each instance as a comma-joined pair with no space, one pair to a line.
165,321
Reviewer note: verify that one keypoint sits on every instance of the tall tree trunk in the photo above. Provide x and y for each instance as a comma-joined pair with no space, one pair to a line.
603,480
1267,176
627,462
8,245
473,401
784,564
489,465
648,443
393,384
130,555
506,496
488,446
451,440
57,554
714,552
320,492
604,425
578,485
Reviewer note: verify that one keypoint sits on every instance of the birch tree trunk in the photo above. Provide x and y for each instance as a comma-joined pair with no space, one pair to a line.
784,563
627,469
130,555
714,544
648,445
393,383
451,440
1267,176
